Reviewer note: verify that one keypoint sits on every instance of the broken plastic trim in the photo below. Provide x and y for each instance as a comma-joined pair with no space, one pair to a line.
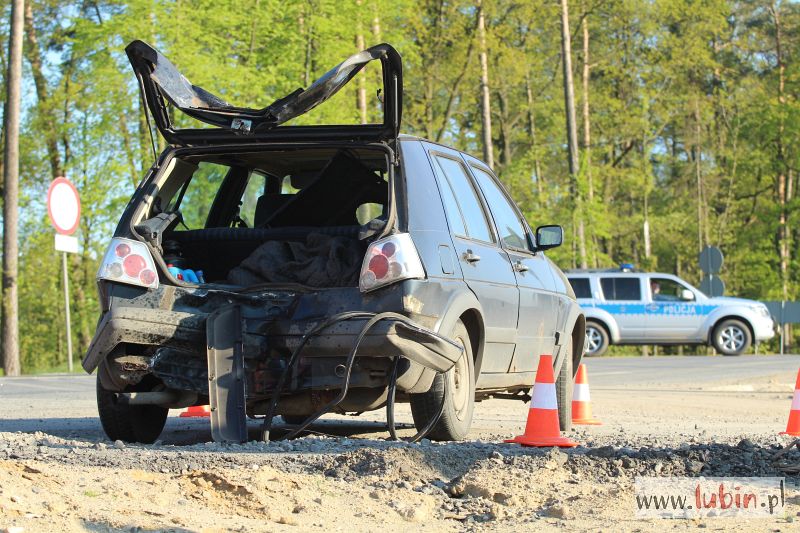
374,318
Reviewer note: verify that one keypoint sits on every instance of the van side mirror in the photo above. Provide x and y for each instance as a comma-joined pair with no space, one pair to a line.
687,295
549,237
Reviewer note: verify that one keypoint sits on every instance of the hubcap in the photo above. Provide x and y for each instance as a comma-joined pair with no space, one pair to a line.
594,340
458,379
731,338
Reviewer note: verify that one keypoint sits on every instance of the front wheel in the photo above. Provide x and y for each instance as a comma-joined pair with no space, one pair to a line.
564,390
731,337
457,387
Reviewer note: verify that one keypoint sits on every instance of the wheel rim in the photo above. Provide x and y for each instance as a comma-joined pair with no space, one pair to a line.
594,340
458,379
732,338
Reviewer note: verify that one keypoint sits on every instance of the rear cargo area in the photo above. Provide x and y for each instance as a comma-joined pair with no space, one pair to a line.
293,216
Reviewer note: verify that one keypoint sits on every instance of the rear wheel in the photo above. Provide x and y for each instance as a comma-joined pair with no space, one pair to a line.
457,386
731,337
596,339
564,390
129,423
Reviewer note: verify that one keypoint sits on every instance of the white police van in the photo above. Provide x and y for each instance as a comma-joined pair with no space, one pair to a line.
627,307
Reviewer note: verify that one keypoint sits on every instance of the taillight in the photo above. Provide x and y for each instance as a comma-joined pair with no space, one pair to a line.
390,259
129,261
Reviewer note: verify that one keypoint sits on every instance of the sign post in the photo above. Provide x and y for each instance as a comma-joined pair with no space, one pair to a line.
64,209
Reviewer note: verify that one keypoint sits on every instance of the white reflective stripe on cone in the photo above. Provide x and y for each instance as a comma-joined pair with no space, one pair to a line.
581,392
544,396
796,400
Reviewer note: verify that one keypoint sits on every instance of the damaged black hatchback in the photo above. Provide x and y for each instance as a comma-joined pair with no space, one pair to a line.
266,269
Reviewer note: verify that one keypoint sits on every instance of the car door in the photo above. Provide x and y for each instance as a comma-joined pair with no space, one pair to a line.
538,303
623,298
671,315
485,265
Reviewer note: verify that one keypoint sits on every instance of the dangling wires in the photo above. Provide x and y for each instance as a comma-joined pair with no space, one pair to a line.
341,317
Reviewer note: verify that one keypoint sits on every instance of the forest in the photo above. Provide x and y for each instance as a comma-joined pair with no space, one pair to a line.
686,121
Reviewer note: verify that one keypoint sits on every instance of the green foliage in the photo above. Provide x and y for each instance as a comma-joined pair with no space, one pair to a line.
689,127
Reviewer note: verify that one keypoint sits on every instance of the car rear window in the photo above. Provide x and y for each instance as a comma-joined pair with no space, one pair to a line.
581,287
621,288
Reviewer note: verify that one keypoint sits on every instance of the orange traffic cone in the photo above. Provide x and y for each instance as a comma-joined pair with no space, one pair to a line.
793,426
196,411
542,428
581,403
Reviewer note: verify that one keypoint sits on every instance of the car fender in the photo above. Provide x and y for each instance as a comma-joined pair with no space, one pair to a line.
601,315
461,302
739,311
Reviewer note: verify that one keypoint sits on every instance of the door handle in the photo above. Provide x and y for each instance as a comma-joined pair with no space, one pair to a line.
519,266
469,257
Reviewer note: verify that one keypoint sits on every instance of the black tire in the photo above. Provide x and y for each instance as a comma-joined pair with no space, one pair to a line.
457,386
564,381
129,423
597,339
731,337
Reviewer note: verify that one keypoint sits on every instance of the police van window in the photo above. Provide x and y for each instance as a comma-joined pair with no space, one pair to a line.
508,224
473,216
621,288
666,290
581,287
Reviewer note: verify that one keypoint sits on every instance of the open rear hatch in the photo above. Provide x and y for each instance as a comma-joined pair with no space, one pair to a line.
162,85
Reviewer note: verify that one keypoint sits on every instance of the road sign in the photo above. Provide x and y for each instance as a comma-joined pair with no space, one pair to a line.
66,243
712,286
63,206
710,260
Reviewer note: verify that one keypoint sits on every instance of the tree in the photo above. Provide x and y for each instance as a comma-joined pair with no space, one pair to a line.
11,364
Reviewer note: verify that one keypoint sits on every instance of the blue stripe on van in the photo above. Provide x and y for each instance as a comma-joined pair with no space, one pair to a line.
662,309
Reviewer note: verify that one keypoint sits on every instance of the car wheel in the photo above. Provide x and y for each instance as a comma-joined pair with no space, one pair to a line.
731,337
596,339
129,423
457,386
564,390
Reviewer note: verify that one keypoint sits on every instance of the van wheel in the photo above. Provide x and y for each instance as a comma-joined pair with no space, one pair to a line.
564,390
457,385
596,339
731,337
129,423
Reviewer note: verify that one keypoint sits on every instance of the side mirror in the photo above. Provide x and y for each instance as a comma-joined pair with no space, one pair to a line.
687,295
549,237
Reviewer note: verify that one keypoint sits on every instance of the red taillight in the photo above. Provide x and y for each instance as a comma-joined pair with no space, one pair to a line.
122,250
133,264
388,260
147,276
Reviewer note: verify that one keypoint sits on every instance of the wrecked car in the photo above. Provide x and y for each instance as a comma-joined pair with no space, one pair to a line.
266,269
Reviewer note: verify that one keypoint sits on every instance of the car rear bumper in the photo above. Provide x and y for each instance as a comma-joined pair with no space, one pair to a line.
166,328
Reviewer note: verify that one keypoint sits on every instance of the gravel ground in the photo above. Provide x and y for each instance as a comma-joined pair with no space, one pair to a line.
74,480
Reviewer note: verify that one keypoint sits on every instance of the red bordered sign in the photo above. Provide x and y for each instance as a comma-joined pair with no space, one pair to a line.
63,206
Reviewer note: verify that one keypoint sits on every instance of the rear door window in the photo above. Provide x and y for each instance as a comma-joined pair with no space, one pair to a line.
581,287
472,213
621,288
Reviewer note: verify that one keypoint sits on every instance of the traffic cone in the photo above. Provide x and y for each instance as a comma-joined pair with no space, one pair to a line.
793,426
542,428
196,411
581,403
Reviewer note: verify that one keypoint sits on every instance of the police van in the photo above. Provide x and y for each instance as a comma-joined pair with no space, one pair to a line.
627,307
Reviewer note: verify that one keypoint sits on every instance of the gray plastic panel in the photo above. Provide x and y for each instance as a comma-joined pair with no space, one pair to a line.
226,383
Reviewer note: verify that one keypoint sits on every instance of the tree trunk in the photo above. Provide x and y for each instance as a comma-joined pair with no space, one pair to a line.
361,89
11,364
698,176
587,136
537,168
486,109
572,133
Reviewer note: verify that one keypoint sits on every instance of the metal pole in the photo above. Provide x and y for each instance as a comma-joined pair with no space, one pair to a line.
66,310
783,304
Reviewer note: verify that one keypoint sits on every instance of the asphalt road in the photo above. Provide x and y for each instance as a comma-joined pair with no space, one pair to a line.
629,392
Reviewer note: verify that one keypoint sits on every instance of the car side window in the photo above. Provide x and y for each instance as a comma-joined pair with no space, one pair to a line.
621,288
581,288
473,219
666,290
506,218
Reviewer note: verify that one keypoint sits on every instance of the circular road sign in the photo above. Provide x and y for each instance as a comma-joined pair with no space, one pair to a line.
63,206
710,260
712,286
